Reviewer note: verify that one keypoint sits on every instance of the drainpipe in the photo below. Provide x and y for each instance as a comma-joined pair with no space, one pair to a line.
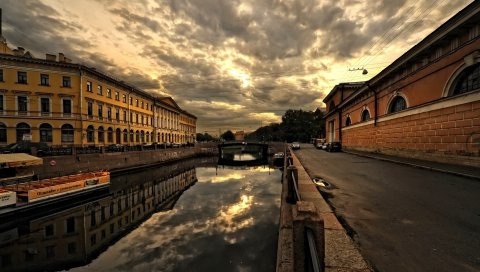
340,116
129,117
81,104
375,104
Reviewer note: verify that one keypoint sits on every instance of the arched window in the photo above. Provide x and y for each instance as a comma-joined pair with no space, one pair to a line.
397,104
125,136
137,136
118,136
147,137
67,133
365,115
101,135
131,135
142,136
468,80
163,137
22,128
158,137
110,135
348,122
45,133
3,133
90,134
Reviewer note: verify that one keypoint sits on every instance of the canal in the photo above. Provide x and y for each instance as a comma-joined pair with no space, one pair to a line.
189,216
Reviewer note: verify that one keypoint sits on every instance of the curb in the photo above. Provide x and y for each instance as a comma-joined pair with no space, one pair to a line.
415,165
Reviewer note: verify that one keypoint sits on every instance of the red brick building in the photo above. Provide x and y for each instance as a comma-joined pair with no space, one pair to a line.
426,104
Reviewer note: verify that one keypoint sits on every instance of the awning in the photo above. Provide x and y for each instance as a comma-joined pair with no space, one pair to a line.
18,160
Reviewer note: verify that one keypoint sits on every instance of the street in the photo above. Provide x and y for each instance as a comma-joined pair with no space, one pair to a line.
402,218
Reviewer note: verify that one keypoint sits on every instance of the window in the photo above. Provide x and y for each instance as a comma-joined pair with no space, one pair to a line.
117,114
473,33
454,44
99,90
93,239
100,111
67,106
112,228
1,102
89,86
365,115
142,136
102,214
136,117
1,75
22,129
72,248
49,231
45,133
142,119
3,133
142,104
137,136
117,96
22,77
67,133
90,135
44,80
131,101
45,105
131,117
109,93
136,102
70,222
110,135
93,219
397,104
348,122
22,104
50,251
66,82
468,80
125,136
109,113
124,98
125,116
131,136
90,109
101,135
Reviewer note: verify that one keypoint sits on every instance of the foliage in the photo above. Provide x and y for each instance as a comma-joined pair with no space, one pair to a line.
296,126
228,136
205,137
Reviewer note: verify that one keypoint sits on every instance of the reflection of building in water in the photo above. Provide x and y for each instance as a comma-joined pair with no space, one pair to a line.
75,236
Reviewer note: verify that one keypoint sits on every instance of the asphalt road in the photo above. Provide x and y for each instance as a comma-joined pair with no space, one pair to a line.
403,218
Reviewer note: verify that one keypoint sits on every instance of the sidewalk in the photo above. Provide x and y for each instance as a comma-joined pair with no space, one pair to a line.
453,169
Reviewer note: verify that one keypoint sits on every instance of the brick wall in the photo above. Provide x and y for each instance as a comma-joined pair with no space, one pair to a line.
450,134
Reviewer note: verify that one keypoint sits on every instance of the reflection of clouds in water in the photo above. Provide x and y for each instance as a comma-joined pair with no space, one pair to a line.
214,225
227,177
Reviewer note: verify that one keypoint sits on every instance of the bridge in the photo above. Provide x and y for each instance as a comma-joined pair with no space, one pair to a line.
242,153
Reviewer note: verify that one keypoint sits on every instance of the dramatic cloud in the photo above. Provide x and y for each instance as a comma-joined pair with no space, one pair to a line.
236,64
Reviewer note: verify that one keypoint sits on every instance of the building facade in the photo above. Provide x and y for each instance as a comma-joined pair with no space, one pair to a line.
426,104
57,102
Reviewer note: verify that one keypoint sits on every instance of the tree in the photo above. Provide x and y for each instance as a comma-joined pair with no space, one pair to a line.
228,136
204,137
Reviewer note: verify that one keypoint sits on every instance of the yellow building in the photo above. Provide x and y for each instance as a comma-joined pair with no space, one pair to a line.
57,102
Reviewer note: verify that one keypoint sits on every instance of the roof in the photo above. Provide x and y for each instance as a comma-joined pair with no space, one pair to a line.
18,160
345,85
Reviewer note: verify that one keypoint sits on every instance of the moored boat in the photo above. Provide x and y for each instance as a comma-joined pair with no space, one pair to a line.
49,188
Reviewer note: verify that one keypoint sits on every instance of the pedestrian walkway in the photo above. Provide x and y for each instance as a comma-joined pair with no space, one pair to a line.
458,170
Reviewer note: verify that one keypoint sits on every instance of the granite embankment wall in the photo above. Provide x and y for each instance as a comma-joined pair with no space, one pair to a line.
70,164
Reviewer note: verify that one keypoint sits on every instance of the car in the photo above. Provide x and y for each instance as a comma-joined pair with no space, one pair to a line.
295,145
114,148
26,147
334,146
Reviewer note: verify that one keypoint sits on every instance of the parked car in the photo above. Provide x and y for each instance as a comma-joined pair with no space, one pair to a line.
114,148
334,146
295,145
26,147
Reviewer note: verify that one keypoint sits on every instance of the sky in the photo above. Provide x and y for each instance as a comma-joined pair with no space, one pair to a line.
235,64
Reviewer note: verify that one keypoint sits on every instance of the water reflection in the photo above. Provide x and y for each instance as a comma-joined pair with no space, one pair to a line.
227,221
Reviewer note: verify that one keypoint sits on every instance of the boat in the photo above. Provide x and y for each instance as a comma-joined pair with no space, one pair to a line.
33,191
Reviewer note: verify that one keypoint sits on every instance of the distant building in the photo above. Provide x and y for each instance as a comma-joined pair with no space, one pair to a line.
58,102
426,104
240,135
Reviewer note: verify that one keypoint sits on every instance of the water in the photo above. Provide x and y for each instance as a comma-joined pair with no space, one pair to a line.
190,216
